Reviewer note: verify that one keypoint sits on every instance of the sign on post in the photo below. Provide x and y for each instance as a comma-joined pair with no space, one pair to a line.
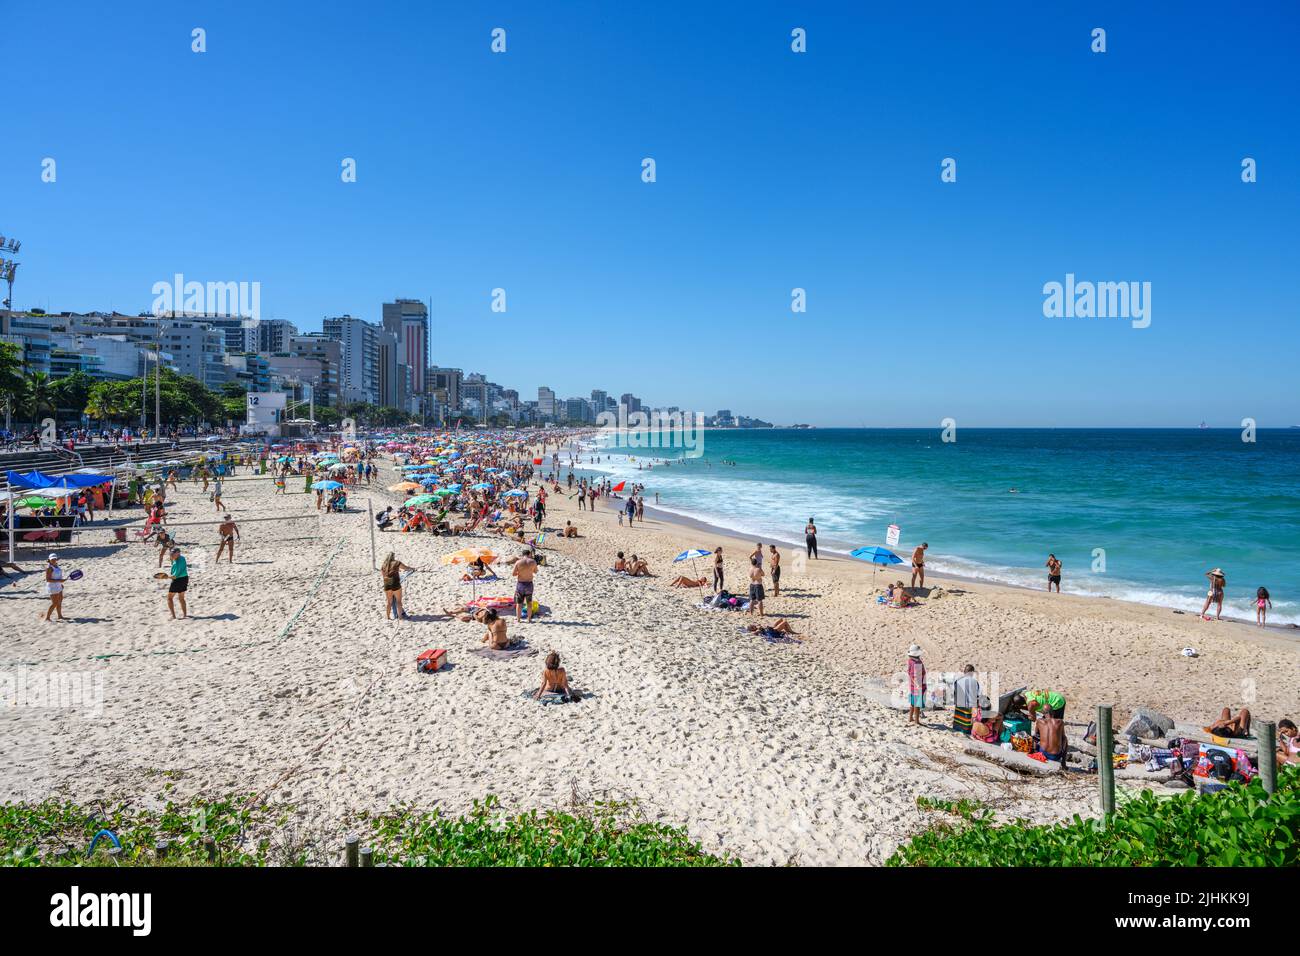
891,536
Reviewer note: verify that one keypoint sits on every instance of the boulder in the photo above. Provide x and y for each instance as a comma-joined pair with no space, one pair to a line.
1147,723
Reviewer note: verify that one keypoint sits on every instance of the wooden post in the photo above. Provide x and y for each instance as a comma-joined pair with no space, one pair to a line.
160,849
367,856
210,845
1267,737
1105,760
352,845
370,510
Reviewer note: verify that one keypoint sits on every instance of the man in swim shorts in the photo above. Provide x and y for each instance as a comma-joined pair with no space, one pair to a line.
229,532
775,557
1051,738
523,571
918,565
1053,572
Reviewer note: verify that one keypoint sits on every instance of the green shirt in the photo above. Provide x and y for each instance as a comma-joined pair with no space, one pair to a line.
179,568
1047,699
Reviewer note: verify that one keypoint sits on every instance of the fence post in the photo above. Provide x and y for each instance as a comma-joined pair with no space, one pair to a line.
367,856
1106,761
370,510
1267,738
352,844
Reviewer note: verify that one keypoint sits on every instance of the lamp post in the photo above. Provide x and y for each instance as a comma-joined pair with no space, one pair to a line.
8,269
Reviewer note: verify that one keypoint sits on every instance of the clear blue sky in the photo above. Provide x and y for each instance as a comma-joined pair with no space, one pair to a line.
775,170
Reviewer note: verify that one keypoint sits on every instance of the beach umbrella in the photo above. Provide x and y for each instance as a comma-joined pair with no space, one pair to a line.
430,480
690,555
453,488
877,556
404,486
469,556
33,501
515,493
418,500
482,486
327,485
441,493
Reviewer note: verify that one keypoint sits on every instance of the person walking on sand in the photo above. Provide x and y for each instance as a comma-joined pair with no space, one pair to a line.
775,557
755,586
523,571
229,532
1215,594
54,587
915,685
180,575
810,538
918,565
216,495
717,569
391,572
1053,573
1263,604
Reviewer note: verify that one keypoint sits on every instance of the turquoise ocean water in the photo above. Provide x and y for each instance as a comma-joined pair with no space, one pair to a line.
1164,505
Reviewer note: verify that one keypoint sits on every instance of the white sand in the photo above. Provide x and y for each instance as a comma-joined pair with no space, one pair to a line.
766,751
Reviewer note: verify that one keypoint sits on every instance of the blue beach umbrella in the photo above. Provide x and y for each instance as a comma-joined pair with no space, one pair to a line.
514,493
327,485
877,556
481,486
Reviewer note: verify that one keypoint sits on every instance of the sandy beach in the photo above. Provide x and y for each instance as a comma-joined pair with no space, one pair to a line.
289,683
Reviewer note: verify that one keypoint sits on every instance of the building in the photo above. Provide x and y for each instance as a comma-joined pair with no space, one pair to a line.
197,350
273,335
408,319
546,409
447,381
359,361
390,385
630,402
578,411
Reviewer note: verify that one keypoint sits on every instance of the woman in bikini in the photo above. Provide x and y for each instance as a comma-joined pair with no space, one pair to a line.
391,570
555,680
495,638
1215,594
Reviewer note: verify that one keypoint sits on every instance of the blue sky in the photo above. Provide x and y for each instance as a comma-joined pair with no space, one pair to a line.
775,170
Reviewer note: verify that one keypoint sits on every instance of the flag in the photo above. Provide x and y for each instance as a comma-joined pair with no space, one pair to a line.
619,486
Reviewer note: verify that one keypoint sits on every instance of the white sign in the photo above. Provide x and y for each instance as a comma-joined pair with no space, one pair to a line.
891,536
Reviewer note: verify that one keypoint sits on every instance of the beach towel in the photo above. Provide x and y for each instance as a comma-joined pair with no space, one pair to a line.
772,636
554,697
961,719
509,654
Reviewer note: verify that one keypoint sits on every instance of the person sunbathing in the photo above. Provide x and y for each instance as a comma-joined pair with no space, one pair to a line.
620,564
780,628
555,680
1229,726
638,568
495,638
1288,742
570,531
682,581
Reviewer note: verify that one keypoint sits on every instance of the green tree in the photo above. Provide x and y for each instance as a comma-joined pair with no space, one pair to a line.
36,398
72,392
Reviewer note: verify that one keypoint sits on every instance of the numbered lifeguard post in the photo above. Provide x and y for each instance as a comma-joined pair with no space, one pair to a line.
265,412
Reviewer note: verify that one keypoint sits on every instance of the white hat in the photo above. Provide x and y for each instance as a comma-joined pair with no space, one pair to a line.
914,650
53,557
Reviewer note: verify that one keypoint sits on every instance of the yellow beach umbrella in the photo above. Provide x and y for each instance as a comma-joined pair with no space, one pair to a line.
404,486
469,556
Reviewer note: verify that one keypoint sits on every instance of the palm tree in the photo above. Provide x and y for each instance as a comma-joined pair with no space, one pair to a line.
37,396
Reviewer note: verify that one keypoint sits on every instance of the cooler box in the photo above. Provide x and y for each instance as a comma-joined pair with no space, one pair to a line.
431,660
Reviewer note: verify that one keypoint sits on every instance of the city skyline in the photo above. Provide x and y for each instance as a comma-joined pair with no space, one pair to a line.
780,175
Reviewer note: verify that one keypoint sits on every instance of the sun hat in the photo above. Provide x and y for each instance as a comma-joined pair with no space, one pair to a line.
1217,572
914,650
52,557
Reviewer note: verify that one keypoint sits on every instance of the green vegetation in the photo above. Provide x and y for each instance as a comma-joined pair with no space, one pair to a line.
603,836
58,833
1240,826
231,831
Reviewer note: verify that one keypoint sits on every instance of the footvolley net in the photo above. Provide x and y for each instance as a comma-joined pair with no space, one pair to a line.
254,532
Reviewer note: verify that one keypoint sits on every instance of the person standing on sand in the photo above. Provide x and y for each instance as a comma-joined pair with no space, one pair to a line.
918,565
524,571
775,555
1263,604
755,586
216,494
915,685
810,538
1053,573
180,575
391,571
1215,594
229,532
54,587
717,569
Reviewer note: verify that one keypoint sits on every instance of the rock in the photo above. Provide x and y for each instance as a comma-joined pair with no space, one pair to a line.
1147,723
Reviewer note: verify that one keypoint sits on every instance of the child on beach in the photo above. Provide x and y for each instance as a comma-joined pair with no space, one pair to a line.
915,685
1263,603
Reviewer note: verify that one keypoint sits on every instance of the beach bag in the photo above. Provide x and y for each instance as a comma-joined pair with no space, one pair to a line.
1022,743
431,660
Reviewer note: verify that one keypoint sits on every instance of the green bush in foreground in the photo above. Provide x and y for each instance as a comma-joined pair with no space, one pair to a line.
604,836
233,831
1240,826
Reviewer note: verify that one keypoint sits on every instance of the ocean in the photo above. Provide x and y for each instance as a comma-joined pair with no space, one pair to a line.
1134,514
